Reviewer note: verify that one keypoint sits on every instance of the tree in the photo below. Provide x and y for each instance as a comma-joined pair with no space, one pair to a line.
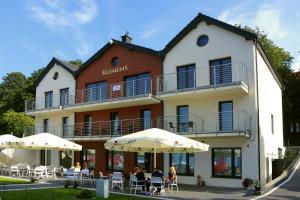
30,87
282,62
12,92
15,122
76,62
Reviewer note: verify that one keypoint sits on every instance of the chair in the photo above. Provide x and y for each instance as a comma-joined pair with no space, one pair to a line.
157,183
171,125
173,183
135,184
40,172
92,177
14,170
51,171
29,171
117,181
102,177
85,175
191,125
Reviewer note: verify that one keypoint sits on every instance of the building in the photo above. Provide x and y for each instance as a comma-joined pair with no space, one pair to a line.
211,83
292,120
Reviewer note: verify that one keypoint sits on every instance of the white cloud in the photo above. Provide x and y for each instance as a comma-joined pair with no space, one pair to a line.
55,14
67,18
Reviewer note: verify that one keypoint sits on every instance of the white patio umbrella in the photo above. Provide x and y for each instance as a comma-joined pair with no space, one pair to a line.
155,140
7,138
44,141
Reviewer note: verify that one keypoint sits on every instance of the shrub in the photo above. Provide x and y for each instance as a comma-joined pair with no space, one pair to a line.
34,180
85,194
247,182
67,183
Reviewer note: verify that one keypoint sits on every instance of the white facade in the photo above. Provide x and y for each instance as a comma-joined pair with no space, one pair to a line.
224,44
65,80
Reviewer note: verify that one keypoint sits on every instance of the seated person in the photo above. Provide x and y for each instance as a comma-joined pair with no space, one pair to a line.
135,170
172,174
77,167
157,173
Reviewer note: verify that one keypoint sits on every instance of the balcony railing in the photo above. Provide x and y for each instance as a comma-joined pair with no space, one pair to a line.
204,78
224,122
106,93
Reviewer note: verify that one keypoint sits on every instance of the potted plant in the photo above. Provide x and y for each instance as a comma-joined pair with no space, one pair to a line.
257,187
247,182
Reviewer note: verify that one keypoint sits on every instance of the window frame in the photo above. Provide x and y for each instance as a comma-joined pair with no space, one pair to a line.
233,176
63,98
187,164
49,104
136,91
181,129
84,151
219,116
186,74
213,82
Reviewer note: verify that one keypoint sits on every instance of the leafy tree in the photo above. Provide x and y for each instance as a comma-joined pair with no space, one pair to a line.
12,92
76,62
30,87
15,122
281,61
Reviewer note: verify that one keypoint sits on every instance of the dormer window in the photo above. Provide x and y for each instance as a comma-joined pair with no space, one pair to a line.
115,61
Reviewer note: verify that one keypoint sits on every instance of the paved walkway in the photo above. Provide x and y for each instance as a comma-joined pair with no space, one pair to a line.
289,191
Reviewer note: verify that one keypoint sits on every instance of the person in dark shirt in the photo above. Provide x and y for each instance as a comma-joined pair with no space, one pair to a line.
157,173
140,176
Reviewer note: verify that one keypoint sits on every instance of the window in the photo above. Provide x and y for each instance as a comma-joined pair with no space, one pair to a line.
227,162
186,77
291,127
225,116
115,61
66,159
88,122
138,85
46,126
48,99
43,157
114,123
64,97
272,123
145,160
182,118
297,127
183,162
88,156
146,119
115,160
220,71
202,40
96,91
65,126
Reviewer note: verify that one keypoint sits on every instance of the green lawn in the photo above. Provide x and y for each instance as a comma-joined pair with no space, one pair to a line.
56,194
8,180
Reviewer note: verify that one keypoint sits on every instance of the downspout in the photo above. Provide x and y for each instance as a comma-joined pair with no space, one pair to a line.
258,124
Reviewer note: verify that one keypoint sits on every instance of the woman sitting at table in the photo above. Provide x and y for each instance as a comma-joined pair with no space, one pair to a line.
140,176
77,167
158,173
172,174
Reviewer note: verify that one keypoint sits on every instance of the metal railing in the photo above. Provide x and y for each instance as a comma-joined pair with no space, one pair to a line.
106,93
203,78
223,122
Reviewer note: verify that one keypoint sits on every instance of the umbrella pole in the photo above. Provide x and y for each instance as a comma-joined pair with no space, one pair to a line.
45,156
154,158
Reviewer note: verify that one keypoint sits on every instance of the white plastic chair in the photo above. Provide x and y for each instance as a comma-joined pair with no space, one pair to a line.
29,171
14,170
157,183
172,183
135,184
117,181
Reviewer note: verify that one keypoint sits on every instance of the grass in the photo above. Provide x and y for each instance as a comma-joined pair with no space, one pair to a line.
8,180
56,194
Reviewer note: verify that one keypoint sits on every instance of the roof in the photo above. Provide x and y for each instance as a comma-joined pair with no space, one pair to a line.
209,20
108,45
64,64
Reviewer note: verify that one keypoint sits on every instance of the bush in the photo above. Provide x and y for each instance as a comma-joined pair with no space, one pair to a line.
75,184
34,180
247,182
85,194
67,183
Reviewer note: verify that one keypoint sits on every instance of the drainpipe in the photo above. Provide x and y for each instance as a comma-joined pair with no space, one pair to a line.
258,124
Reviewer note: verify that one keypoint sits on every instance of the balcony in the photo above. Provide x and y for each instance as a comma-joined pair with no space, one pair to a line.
231,78
232,124
124,94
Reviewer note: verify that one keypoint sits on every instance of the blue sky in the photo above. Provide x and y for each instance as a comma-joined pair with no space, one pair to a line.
33,31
